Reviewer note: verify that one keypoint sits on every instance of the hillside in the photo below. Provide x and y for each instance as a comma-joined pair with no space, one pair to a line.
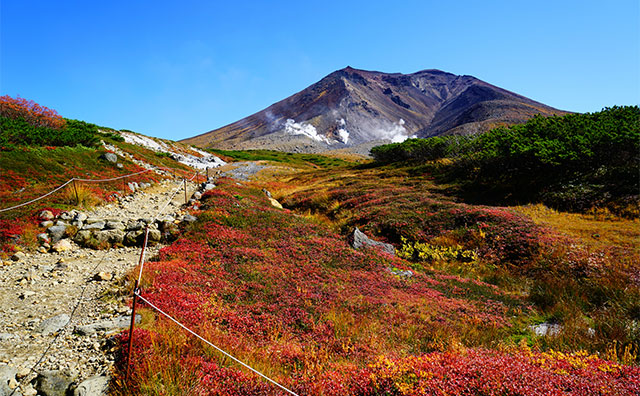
351,107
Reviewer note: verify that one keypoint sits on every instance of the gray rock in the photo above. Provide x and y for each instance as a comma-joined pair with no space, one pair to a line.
134,238
109,236
197,195
93,386
111,157
154,235
119,165
52,383
135,225
359,240
46,224
62,245
121,322
52,324
94,226
401,273
267,193
91,220
77,223
7,373
208,186
82,237
546,329
114,225
57,232
46,215
65,216
44,238
81,217
189,218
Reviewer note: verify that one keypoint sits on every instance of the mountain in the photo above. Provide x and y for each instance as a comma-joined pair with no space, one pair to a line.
351,107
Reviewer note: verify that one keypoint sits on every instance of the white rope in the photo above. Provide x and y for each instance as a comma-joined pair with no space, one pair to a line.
114,178
36,199
212,345
71,180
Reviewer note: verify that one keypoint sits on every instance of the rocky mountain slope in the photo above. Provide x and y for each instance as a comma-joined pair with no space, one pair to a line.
352,107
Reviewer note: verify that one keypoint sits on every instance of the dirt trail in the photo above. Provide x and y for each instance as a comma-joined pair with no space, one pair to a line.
49,285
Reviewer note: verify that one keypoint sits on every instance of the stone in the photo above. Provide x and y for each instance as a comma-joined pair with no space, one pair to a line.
546,329
208,186
81,217
46,215
359,240
197,195
121,322
82,237
119,165
93,386
13,384
57,232
91,220
52,324
66,216
275,203
109,236
132,187
94,226
18,256
134,225
114,225
62,245
43,238
111,157
267,193
6,374
22,372
401,273
189,218
46,224
133,238
103,276
52,383
154,235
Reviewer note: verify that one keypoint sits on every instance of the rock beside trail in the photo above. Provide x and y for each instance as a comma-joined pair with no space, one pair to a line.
118,323
57,232
94,386
7,373
52,324
46,215
359,240
62,245
18,256
53,383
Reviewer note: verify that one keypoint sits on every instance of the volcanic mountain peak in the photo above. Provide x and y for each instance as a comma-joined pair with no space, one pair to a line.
352,107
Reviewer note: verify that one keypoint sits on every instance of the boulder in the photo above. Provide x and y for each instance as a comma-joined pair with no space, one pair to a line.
275,203
82,237
267,193
109,236
359,240
65,216
93,386
197,195
114,225
135,225
110,157
46,224
7,373
208,186
52,324
52,383
121,322
134,238
62,245
46,215
81,217
57,232
189,218
43,238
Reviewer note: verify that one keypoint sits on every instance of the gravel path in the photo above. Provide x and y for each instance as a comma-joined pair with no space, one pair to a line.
37,292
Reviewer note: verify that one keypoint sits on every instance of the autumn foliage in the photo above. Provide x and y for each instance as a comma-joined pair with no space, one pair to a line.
33,113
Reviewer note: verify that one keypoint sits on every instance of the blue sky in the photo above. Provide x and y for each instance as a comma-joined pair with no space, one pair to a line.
177,69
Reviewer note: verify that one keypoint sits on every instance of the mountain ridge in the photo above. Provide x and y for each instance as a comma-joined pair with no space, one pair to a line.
350,107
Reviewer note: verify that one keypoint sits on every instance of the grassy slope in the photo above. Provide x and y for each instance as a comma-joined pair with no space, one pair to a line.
285,294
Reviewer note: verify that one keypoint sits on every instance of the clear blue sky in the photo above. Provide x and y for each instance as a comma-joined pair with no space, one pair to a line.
175,69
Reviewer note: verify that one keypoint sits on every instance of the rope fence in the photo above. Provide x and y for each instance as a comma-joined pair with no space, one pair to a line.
136,291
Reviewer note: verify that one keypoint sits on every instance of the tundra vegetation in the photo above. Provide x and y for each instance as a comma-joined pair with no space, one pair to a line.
282,290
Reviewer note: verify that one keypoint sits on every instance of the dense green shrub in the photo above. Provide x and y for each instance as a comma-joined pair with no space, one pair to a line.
18,132
574,162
